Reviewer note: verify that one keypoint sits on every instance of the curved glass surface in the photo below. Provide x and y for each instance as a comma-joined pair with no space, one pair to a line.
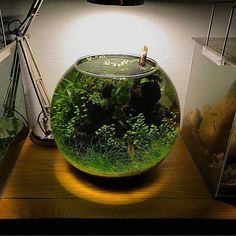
112,118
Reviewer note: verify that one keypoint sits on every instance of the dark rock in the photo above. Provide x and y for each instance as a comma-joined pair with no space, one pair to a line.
144,96
106,92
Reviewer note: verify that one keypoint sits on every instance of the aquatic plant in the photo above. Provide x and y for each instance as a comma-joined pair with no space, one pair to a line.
3,147
121,91
9,128
96,98
107,137
114,126
140,134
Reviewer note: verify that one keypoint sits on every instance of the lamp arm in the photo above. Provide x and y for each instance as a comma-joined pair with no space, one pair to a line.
10,97
35,75
42,132
33,12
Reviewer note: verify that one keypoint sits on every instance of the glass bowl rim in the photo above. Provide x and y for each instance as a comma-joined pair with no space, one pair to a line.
139,75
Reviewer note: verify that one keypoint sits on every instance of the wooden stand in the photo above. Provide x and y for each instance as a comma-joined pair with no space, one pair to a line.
44,186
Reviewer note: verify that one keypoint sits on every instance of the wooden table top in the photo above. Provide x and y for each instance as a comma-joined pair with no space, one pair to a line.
43,185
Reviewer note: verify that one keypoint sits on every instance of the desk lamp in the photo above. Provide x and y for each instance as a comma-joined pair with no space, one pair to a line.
23,55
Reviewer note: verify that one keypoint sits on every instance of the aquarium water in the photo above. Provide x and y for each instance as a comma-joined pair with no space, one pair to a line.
112,117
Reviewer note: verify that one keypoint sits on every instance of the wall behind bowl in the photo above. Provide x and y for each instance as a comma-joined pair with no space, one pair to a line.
69,29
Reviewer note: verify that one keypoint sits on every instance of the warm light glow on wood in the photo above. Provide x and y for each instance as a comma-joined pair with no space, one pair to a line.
110,192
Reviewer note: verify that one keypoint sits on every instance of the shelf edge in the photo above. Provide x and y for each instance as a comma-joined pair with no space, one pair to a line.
6,51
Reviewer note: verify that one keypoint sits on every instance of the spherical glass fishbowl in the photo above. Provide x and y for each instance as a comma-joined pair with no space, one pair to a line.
112,117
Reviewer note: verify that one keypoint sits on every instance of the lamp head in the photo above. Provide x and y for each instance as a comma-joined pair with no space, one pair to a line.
118,2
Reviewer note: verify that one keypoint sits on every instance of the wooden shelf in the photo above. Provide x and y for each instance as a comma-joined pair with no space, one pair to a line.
44,186
216,44
6,51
